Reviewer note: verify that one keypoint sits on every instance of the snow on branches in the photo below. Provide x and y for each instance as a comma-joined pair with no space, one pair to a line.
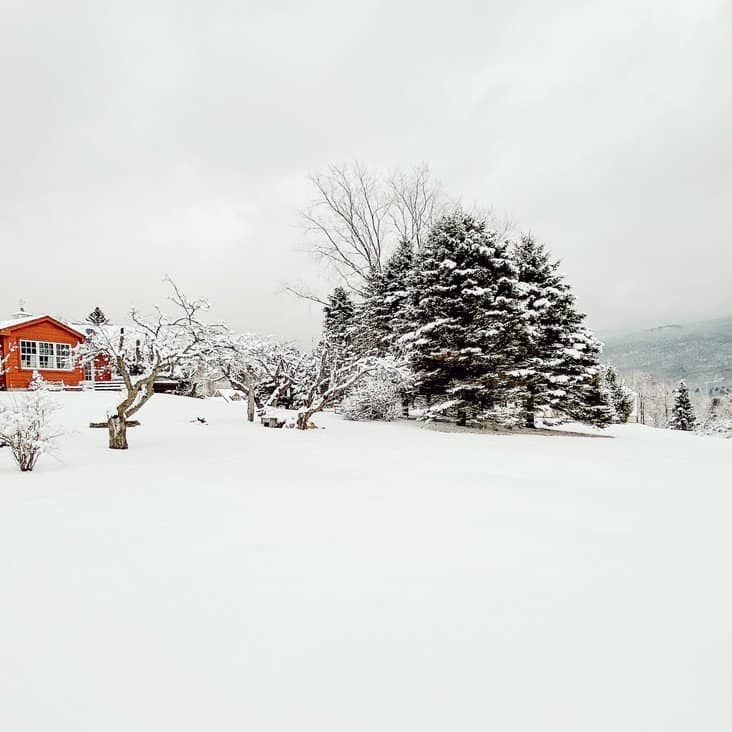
25,426
682,413
269,372
4,359
333,380
379,396
162,344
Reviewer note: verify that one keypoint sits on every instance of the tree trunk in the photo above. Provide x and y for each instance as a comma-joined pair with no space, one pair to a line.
251,404
530,411
117,432
303,419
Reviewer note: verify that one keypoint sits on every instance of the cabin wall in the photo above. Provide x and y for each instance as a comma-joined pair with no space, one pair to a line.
102,369
18,378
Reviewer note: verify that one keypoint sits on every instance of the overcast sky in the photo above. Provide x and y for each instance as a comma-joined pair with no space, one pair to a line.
144,138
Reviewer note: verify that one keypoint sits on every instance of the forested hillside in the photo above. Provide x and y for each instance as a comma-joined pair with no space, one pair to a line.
699,352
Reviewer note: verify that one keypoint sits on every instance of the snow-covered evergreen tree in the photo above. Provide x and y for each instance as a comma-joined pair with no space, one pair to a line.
378,320
466,328
620,396
561,361
682,413
590,401
97,317
338,322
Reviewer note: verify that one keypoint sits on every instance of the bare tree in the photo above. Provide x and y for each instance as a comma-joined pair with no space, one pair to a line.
332,380
417,202
284,369
357,218
267,371
160,345
349,220
329,385
655,398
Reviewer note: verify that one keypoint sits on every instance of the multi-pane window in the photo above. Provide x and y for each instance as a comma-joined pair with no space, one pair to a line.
63,356
45,356
28,355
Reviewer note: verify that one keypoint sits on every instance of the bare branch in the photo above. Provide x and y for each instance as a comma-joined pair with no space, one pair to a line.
304,295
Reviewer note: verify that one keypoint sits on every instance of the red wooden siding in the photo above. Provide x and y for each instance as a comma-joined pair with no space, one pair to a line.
102,370
44,329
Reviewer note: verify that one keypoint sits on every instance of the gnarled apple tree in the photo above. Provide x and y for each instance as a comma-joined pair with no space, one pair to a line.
160,345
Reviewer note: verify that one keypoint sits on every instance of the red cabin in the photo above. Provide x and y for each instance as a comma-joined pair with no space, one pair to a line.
41,343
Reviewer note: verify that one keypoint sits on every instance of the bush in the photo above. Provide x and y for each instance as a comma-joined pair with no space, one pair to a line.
25,429
717,428
374,398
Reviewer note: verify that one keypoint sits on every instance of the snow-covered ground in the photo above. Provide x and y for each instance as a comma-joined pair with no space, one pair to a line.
363,577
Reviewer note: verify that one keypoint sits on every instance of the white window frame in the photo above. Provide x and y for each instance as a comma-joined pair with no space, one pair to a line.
56,353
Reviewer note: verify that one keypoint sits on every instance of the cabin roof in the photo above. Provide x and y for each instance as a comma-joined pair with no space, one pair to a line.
15,323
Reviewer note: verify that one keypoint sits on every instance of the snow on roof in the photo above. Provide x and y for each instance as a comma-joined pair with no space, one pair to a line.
15,322
230,395
110,331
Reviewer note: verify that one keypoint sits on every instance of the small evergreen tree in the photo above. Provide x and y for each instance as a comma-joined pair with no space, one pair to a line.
338,322
97,317
682,412
592,404
620,396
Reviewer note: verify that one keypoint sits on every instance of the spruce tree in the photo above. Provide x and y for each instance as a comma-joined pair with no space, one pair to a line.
620,397
464,315
682,413
97,317
338,324
561,359
379,316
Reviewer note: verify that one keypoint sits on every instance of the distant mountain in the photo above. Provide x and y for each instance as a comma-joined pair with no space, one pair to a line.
699,352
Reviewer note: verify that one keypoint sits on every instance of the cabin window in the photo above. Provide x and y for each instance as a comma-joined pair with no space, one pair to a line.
45,356
63,356
28,354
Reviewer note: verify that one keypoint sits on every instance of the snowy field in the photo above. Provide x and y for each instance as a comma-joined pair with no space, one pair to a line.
363,577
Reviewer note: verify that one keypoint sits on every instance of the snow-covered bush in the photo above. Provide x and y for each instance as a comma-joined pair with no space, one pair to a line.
37,383
330,381
25,429
716,428
718,418
375,398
